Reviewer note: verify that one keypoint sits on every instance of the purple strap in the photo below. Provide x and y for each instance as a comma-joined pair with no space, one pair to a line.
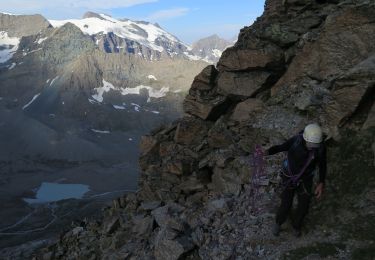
295,178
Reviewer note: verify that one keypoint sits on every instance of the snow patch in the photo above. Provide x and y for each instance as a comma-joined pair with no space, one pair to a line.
27,53
151,77
155,112
12,66
101,131
32,100
192,57
217,53
136,107
9,45
119,107
92,101
101,90
151,91
42,40
53,81
107,86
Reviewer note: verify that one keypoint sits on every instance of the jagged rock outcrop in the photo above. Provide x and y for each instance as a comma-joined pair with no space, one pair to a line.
302,61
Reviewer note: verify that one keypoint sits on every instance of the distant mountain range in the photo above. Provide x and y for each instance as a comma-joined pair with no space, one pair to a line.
97,74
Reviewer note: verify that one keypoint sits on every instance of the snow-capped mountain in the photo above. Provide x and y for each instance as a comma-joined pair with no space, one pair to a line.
210,48
141,38
97,73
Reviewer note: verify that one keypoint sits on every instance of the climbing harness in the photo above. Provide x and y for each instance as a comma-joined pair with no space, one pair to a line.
292,180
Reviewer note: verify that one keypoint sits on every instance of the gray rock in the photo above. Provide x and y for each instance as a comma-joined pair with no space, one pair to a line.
149,205
111,225
243,85
143,225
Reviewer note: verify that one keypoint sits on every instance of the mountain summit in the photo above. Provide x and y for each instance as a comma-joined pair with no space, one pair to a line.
210,48
141,38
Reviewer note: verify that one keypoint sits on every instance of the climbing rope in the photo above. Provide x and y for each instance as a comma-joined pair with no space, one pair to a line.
258,165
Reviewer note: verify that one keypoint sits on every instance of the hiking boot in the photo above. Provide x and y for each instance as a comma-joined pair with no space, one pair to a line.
276,229
297,233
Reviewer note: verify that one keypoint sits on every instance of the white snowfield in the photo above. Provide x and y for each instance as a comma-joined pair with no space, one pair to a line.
9,45
122,28
107,86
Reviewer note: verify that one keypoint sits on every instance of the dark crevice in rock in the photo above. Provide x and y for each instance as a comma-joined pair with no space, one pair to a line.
221,109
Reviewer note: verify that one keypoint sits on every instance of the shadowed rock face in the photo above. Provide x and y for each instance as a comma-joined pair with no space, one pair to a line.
295,65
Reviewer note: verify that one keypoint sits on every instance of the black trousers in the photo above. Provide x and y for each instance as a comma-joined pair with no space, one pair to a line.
303,191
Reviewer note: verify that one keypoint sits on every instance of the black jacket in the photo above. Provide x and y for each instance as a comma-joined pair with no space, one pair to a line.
298,155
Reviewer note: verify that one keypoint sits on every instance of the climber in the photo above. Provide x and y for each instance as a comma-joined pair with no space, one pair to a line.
305,151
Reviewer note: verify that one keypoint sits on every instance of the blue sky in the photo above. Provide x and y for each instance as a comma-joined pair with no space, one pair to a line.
189,20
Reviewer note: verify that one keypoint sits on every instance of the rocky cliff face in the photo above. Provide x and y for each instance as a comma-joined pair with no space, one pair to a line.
199,198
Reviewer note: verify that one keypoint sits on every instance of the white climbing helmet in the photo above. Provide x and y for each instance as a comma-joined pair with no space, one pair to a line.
313,134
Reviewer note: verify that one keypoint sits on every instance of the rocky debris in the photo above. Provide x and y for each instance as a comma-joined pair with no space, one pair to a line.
200,169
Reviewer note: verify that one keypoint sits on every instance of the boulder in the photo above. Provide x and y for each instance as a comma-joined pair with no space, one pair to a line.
280,35
244,84
246,109
206,79
190,131
234,59
150,205
206,109
219,136
179,167
143,225
349,92
161,215
147,144
111,225
226,181
167,249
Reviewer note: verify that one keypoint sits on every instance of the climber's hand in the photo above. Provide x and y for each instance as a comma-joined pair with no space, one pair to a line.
319,190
